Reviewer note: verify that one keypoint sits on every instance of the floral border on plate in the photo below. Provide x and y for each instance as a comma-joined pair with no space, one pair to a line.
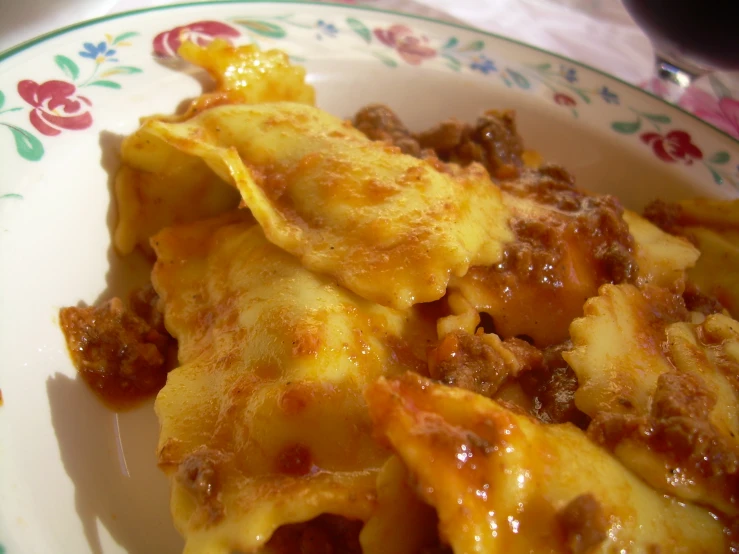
55,106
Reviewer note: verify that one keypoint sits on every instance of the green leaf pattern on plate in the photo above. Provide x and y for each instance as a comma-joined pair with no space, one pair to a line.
519,79
104,83
27,145
386,46
658,118
262,28
100,58
69,68
120,38
360,28
719,158
626,127
121,70
387,60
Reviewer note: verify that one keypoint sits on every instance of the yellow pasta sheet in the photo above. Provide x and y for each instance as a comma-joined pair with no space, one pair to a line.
389,227
504,483
157,185
663,393
662,258
713,226
264,422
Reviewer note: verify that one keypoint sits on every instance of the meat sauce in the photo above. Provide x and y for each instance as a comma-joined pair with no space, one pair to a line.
571,245
326,534
717,295
199,475
493,141
477,363
564,249
584,524
121,352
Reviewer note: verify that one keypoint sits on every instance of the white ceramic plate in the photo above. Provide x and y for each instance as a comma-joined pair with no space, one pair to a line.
77,478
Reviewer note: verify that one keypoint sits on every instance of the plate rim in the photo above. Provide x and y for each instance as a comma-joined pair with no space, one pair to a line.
26,45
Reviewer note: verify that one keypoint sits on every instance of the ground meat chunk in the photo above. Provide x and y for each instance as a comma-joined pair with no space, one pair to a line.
445,136
584,524
552,385
121,353
199,474
493,141
467,361
681,395
697,301
597,220
567,244
378,122
326,534
679,429
144,303
480,363
664,215
666,307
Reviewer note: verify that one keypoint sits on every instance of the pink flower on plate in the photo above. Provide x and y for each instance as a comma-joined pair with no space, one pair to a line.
413,49
720,112
674,146
56,106
201,33
564,99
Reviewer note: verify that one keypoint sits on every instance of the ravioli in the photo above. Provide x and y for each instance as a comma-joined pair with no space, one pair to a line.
245,75
387,226
662,258
662,392
713,226
502,483
717,268
398,503
158,186
264,422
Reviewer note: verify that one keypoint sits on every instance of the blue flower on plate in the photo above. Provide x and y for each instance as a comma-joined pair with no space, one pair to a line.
99,52
569,73
608,95
327,29
483,64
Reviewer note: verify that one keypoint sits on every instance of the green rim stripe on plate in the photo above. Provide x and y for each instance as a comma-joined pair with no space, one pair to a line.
41,38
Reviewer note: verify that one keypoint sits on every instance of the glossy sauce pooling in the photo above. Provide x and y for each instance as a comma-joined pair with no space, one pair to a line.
567,244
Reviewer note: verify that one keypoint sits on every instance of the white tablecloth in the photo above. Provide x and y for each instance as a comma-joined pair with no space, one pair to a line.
597,32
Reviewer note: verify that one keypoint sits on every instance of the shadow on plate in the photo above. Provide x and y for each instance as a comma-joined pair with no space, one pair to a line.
111,459
132,271
178,65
